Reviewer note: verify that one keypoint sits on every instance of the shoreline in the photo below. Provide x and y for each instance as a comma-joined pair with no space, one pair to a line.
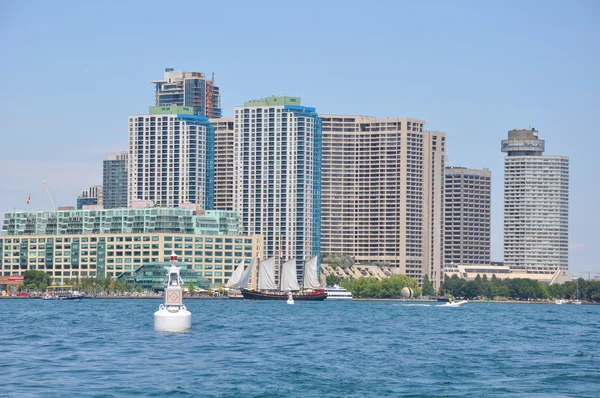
354,299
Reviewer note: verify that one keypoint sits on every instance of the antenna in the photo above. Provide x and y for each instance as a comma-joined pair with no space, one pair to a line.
49,195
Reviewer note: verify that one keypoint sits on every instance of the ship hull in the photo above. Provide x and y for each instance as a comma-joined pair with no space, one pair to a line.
313,296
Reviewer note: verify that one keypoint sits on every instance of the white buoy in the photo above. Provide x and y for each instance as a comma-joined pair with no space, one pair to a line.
290,299
172,316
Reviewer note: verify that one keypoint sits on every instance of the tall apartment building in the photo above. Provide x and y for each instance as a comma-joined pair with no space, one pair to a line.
224,163
190,89
278,176
93,196
382,193
536,205
171,158
114,180
467,209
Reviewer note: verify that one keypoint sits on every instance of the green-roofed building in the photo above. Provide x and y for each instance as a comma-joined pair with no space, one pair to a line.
151,276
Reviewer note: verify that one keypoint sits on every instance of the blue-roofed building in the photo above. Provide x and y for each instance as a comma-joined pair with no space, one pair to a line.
278,176
171,158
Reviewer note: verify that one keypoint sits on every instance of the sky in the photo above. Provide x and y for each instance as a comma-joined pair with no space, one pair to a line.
72,72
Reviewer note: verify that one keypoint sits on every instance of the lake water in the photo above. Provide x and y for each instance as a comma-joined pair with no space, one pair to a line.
237,348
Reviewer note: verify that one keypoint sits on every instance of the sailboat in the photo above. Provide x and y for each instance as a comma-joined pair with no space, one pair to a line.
239,280
577,301
310,290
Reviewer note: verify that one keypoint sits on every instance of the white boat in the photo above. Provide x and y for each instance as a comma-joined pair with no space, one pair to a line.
577,301
560,301
336,292
454,303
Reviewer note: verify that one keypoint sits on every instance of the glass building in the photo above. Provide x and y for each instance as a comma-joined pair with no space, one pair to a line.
114,181
190,89
171,158
278,176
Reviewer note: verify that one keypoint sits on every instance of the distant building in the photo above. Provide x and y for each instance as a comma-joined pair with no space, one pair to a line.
471,271
171,158
189,89
382,193
224,163
467,226
278,176
90,197
114,181
536,205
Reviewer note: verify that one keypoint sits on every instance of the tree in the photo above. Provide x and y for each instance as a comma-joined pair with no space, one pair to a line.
339,260
427,287
191,287
332,280
36,280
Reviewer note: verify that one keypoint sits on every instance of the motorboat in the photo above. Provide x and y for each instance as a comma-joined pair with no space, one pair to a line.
336,292
561,301
454,303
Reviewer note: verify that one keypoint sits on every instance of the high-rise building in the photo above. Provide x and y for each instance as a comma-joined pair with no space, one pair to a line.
536,205
467,228
382,193
115,181
171,158
190,89
224,163
278,176
90,197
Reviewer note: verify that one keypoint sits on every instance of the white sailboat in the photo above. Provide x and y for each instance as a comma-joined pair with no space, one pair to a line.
577,301
239,280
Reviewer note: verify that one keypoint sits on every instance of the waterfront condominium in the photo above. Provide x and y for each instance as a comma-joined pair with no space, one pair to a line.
536,205
115,181
278,176
467,200
382,193
171,156
224,163
191,89
108,243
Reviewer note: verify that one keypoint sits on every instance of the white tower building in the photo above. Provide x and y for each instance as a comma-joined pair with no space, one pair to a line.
536,205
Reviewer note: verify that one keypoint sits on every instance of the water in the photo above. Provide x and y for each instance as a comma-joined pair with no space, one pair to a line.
236,348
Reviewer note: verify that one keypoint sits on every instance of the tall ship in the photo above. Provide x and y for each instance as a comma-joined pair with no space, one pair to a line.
309,290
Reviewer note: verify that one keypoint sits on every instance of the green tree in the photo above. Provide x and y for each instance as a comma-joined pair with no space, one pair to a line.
339,260
36,280
191,287
427,287
332,280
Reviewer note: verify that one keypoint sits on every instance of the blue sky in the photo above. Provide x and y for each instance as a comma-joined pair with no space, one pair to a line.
72,71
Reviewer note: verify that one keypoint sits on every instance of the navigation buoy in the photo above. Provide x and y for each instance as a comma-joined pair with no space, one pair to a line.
290,299
172,316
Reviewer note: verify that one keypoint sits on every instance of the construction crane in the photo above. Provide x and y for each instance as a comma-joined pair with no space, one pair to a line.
589,273
47,190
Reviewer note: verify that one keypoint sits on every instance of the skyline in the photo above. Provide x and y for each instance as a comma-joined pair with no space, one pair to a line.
471,70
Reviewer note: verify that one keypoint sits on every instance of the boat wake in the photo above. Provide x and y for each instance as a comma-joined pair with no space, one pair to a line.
416,305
